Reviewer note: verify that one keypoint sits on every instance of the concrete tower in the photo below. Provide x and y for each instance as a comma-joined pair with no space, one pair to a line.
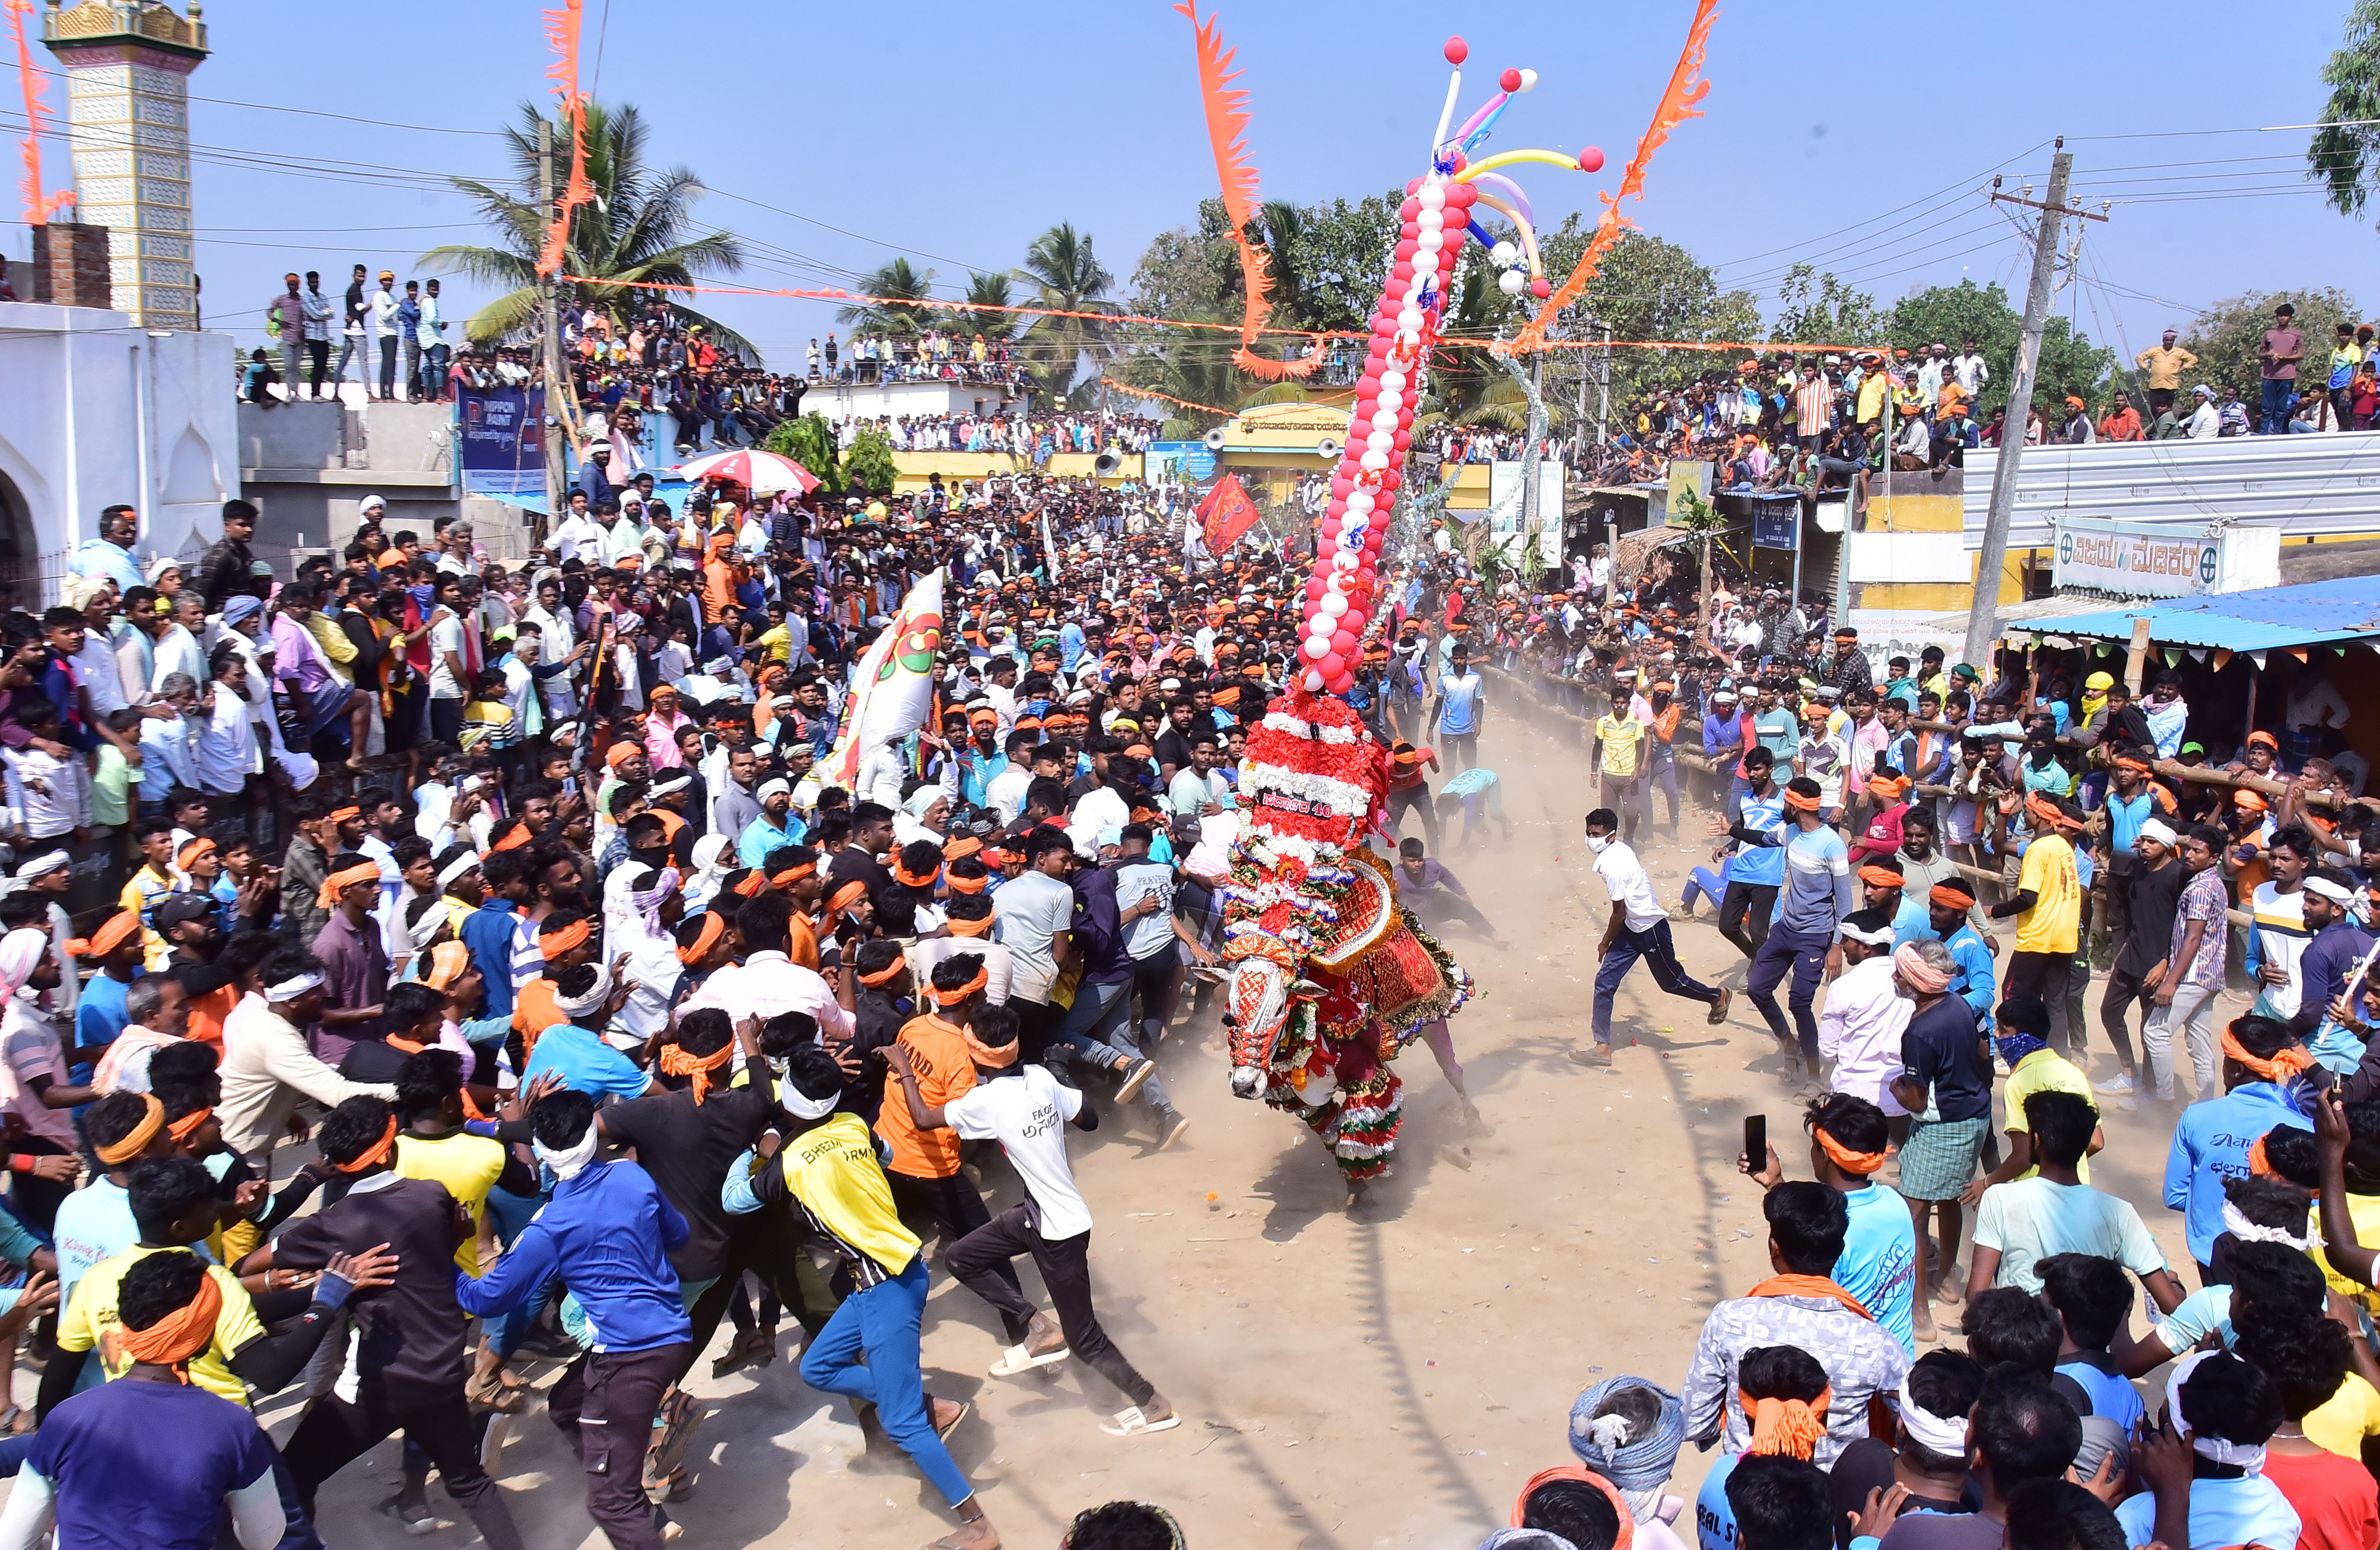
128,65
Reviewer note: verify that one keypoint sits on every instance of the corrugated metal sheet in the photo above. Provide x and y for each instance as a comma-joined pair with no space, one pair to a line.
2307,485
2276,617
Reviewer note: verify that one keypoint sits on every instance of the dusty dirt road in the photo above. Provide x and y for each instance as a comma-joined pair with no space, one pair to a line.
1345,1385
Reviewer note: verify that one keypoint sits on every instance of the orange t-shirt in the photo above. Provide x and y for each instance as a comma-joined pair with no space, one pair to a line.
535,1011
207,1014
946,1072
718,590
805,943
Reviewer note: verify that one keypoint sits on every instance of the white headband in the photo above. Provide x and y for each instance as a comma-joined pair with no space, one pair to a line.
290,989
2334,892
2158,830
779,787
1944,1434
44,864
597,994
2219,1450
801,1105
2239,1226
456,868
568,1163
1881,937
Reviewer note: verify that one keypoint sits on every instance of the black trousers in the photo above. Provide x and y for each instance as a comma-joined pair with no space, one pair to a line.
981,1261
605,1403
1036,1021
1744,916
388,366
2124,988
770,1252
317,364
1414,799
335,1434
958,1208
2044,974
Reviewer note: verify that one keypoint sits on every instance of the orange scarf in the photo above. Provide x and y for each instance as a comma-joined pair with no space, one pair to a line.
1791,1285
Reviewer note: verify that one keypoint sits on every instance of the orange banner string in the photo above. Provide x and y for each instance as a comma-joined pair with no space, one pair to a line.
38,210
1227,124
1185,402
562,29
1686,88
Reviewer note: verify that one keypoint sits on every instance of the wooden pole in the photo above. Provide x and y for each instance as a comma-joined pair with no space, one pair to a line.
2136,664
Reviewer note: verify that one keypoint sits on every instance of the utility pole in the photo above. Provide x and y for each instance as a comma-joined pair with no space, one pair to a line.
1982,624
1603,391
549,345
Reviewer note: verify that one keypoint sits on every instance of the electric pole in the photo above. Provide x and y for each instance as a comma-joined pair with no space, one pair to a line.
549,346
1982,624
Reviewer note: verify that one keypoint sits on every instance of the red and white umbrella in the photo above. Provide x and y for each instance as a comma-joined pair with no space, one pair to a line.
763,473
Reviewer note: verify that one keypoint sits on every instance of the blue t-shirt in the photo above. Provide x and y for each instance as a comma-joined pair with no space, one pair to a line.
1879,1260
1714,1518
96,1441
100,1016
2112,1394
587,1064
1459,709
1759,865
2246,1511
92,1225
2210,1145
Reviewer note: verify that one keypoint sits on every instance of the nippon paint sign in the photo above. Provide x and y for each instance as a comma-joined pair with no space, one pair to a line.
2136,559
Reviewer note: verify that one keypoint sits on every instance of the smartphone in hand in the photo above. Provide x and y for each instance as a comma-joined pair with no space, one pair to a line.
1755,1140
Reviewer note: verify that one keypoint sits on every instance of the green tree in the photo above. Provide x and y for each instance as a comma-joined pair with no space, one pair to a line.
2228,340
1647,287
1950,315
638,228
896,281
1820,309
808,442
868,465
1340,253
985,290
2345,156
1066,276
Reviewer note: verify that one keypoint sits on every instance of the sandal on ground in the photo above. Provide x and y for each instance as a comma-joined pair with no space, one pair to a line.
1130,1422
1016,1361
947,1427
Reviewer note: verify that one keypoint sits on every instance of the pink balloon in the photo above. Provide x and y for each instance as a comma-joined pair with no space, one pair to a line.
1408,248
1313,590
1409,208
1405,269
1404,439
1413,186
1342,642
1457,50
1334,511
1539,289
1341,684
1341,484
1461,195
1332,666
1367,388
1590,159
1410,229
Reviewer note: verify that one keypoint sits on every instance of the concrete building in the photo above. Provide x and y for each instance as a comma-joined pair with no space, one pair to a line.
128,65
308,468
875,401
103,411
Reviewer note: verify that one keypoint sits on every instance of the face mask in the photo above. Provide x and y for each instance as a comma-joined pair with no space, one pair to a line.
1596,842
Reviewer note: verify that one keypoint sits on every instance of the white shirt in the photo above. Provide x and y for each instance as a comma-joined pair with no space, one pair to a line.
1624,879
102,676
226,744
1971,372
2205,421
769,985
1103,808
1026,913
172,744
1027,1113
49,794
445,636
579,538
1861,1030
999,965
177,650
1006,791
653,973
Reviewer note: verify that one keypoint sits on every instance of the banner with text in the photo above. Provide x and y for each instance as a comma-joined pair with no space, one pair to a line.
2136,559
500,449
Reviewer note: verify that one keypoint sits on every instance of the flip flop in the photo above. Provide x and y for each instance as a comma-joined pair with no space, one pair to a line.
1016,1361
945,1430
1130,1422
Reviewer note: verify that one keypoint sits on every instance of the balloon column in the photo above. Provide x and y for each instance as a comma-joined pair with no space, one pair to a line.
1441,208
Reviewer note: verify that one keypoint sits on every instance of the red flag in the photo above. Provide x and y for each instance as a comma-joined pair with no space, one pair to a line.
1225,513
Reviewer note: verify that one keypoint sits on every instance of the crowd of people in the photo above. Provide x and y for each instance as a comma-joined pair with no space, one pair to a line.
594,987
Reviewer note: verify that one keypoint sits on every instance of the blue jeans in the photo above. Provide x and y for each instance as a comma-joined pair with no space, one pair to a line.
2277,394
883,1321
1653,946
1803,955
512,1213
1099,1027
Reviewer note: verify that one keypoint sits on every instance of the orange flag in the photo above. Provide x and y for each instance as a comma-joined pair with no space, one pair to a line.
1225,513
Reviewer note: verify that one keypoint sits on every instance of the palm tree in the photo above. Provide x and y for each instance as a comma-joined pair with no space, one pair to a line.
638,228
1067,277
1283,226
985,290
897,281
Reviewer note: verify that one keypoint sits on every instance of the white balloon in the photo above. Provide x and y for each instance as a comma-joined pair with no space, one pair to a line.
1315,647
1382,441
1391,403
1429,219
1510,282
1333,604
1314,679
1392,380
1342,562
1409,321
1432,195
1502,255
1358,501
1428,242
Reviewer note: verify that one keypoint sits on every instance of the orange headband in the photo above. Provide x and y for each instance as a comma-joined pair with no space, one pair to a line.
553,944
970,885
180,1335
342,814
1949,898
985,1055
713,927
948,998
2043,810
448,962
2285,1063
188,1124
1844,1158
1799,803
1889,789
138,1138
1792,1427
844,897
514,837
675,1061
959,849
113,933
2133,765
971,927
193,851
1881,877
907,879
752,883
886,975
791,875
375,1154
339,882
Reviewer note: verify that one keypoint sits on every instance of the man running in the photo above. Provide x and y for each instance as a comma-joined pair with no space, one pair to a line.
1818,893
1639,927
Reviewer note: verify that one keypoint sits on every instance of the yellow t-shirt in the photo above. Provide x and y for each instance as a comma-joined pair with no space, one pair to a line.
2055,918
2341,1423
469,1166
2363,1210
90,1322
1623,741
2044,1071
779,643
834,1172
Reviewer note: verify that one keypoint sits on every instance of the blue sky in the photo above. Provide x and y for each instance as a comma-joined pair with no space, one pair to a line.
1858,138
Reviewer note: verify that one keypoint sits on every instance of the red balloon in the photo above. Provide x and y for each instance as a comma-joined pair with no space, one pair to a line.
1340,485
1408,248
1403,441
1342,643
1539,289
1457,50
1341,684
1313,590
1410,229
1510,81
1332,666
1367,388
1408,210
1334,511
1590,159
1462,196
1414,185
1405,269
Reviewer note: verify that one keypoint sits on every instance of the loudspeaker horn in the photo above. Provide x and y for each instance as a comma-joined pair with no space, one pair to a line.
1106,463
1327,448
1214,439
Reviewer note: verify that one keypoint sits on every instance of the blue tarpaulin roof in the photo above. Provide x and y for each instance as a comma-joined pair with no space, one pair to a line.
2272,618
